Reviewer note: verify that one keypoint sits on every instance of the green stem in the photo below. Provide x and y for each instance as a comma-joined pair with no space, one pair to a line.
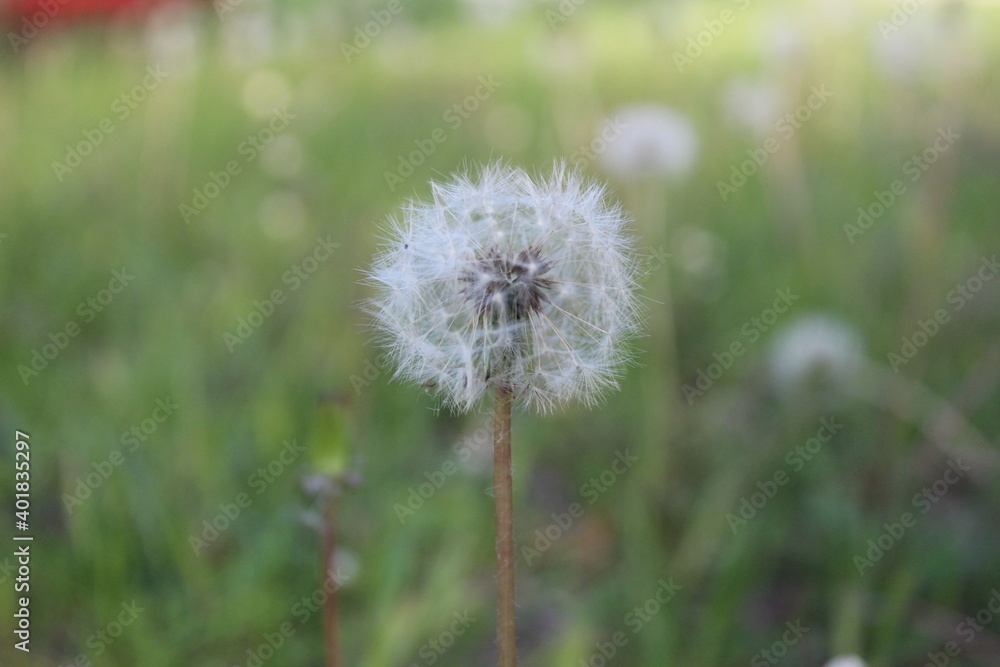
331,607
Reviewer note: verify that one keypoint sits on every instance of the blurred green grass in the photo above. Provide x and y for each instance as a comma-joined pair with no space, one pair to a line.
163,337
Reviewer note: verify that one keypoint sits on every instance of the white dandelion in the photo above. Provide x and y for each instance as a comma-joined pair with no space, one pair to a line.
521,288
654,141
753,103
495,12
506,283
172,37
784,41
932,47
816,347
846,661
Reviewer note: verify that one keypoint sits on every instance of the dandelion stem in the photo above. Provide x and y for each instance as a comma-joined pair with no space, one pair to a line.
503,496
330,607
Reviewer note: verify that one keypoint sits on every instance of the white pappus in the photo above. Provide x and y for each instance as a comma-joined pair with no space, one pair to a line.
504,282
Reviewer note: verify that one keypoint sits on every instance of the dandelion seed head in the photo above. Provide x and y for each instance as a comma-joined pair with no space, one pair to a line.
507,282
654,142
816,347
753,103
846,661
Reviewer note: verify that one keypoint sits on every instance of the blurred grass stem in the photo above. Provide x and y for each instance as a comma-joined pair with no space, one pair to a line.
331,610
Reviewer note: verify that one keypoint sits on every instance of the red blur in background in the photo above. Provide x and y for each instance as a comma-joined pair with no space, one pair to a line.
68,10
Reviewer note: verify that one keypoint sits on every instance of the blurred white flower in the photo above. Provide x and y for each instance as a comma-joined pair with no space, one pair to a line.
494,11
784,41
846,661
902,56
504,282
249,36
172,38
652,141
815,347
316,484
754,104
836,14
346,566
933,46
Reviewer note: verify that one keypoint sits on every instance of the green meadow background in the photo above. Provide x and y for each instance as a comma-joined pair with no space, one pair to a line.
239,315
